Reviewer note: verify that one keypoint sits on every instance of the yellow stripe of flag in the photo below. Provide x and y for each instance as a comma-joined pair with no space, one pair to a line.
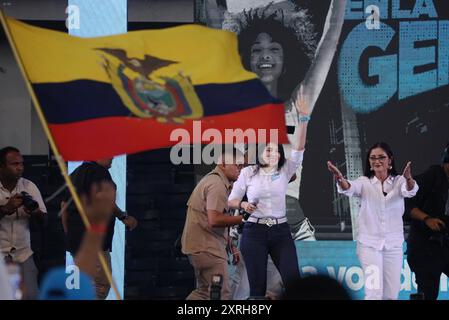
205,55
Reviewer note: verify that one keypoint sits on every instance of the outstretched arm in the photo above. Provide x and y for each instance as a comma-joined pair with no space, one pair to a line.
316,75
407,173
214,14
344,184
303,119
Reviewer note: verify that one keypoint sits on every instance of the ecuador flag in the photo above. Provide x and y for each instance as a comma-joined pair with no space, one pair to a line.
127,93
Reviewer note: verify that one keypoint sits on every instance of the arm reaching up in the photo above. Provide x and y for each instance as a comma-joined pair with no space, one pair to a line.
316,75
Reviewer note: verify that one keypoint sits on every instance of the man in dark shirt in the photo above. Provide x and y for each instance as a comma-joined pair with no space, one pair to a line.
428,242
83,178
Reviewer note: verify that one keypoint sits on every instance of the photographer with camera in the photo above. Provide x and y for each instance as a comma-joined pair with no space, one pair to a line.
428,242
20,200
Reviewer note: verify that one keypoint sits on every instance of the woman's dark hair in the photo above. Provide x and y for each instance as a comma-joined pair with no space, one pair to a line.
385,147
296,61
260,148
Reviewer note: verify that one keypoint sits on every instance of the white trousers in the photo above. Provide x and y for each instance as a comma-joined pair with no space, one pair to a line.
382,270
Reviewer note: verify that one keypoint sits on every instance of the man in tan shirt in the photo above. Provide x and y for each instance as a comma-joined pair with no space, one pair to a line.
205,234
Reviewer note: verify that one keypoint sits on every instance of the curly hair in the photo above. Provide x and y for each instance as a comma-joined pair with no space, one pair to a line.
296,53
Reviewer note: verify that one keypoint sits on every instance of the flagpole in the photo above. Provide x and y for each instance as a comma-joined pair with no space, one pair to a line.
58,157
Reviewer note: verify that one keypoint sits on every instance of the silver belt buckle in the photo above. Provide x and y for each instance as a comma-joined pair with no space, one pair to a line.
270,222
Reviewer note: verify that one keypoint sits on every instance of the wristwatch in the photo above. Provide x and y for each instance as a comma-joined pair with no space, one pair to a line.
123,216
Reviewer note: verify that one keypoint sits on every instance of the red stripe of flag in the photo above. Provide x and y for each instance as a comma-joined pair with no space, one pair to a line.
120,135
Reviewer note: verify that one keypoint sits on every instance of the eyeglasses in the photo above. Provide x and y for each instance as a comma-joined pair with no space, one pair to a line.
381,158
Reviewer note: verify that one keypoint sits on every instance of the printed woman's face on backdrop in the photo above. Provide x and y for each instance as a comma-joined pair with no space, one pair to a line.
379,160
271,155
267,58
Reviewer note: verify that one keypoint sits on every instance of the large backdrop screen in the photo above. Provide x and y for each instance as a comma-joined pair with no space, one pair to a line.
383,78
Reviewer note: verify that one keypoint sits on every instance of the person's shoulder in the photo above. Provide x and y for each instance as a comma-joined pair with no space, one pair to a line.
27,184
431,169
212,175
295,155
248,170
431,172
438,174
436,168
399,178
212,178
212,183
364,179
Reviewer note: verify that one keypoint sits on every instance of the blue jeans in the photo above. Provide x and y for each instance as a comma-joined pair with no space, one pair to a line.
240,283
259,241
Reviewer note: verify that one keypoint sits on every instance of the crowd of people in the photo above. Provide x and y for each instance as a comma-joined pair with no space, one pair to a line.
259,193
250,196
248,193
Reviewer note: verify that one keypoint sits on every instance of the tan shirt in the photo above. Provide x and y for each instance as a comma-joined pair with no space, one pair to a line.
211,193
14,229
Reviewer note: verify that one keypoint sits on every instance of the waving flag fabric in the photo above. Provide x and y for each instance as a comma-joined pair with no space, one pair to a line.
127,93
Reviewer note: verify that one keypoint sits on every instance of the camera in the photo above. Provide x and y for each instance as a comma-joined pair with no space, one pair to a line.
28,202
246,214
215,287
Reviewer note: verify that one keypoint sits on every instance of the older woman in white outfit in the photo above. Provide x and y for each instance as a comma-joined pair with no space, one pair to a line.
380,236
